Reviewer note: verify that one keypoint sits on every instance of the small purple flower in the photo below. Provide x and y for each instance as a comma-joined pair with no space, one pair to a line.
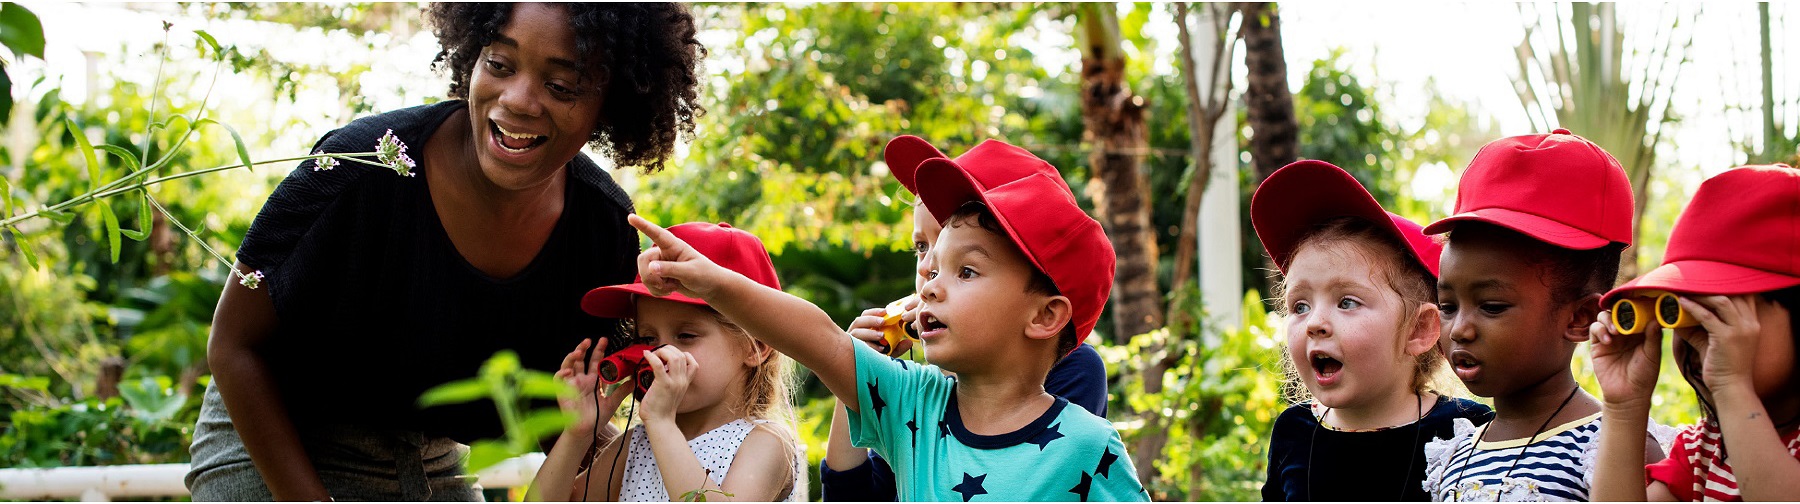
392,152
252,280
325,164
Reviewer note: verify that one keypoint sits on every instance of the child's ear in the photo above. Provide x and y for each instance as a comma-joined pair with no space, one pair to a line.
1051,316
1587,310
1423,335
759,353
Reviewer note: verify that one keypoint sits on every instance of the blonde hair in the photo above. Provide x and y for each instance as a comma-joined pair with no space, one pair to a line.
768,394
1394,268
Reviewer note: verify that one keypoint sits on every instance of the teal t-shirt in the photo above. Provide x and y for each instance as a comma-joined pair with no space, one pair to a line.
907,412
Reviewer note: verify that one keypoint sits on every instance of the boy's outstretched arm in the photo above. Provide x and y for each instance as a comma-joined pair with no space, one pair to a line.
789,324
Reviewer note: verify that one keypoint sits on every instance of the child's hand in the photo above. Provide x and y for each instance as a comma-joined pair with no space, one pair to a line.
1726,338
586,379
868,327
671,265
674,370
1626,365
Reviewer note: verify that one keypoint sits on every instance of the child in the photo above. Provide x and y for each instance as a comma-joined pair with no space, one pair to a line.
1360,297
849,473
1017,277
719,430
1540,222
1734,261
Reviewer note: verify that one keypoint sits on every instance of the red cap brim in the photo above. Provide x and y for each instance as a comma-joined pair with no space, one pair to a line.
1309,192
1538,228
616,301
904,154
1705,277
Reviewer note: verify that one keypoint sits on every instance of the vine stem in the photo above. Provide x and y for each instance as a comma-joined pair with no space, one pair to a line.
113,189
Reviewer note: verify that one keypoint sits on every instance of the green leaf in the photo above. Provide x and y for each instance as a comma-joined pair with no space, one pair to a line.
38,383
6,101
131,160
242,152
112,228
25,248
540,385
210,41
460,391
545,422
485,453
21,30
144,210
57,216
500,365
6,202
87,153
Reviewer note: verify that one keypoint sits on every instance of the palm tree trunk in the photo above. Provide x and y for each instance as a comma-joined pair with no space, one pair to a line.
1114,118
1275,132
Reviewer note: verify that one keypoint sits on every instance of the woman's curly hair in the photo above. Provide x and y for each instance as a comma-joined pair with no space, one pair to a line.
648,51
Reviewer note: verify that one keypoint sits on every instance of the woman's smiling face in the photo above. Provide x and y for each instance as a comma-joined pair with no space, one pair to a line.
532,103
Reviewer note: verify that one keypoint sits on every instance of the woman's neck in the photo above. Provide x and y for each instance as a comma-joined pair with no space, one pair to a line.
1394,410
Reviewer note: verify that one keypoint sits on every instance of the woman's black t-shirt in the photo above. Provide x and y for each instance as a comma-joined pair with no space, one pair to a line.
376,306
1309,462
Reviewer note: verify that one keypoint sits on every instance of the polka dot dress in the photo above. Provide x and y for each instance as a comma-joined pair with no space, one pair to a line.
715,449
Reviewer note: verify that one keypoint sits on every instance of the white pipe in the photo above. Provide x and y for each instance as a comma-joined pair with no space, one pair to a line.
165,480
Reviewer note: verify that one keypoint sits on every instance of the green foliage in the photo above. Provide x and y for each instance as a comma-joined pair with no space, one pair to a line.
151,425
23,34
510,387
1219,400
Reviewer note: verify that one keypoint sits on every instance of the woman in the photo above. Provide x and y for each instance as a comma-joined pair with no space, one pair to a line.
375,287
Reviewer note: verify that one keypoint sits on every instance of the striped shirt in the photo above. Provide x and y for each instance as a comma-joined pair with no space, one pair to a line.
1555,466
1696,468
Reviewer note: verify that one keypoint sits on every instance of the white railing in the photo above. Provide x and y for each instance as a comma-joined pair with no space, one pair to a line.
104,483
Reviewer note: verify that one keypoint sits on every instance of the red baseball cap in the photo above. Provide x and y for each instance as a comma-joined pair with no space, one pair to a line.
1309,192
1739,235
1557,188
998,162
735,249
1052,231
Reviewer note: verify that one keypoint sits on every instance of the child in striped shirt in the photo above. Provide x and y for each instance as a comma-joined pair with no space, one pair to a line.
1730,288
1539,226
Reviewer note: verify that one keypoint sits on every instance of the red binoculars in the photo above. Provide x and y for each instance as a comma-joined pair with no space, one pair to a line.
628,363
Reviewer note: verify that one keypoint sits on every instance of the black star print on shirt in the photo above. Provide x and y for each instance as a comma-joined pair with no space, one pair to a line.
970,486
914,425
943,429
1106,462
1081,488
1043,439
875,400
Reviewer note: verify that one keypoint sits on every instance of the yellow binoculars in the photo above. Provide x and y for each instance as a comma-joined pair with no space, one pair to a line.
1632,314
893,329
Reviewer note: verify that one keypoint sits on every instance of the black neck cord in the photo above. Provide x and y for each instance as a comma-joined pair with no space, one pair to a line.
1528,441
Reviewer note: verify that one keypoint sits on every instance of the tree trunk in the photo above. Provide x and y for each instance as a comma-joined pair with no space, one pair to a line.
1274,131
1114,119
1771,133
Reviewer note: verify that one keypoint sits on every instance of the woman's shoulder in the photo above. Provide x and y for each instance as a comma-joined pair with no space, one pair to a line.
588,176
412,125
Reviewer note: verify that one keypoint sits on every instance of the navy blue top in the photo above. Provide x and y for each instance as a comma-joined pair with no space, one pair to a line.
1357,466
1079,377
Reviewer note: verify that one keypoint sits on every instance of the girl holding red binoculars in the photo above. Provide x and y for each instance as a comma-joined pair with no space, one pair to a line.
715,408
1729,286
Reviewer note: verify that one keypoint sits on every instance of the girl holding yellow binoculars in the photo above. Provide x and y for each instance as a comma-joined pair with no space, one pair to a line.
1729,286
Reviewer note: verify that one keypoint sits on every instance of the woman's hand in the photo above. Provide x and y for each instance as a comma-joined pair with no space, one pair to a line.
674,371
1626,365
586,380
1726,340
